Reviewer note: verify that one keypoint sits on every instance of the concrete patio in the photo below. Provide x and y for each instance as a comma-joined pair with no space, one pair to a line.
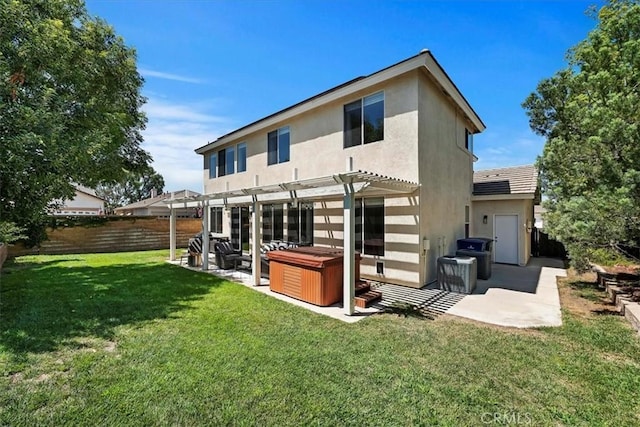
521,297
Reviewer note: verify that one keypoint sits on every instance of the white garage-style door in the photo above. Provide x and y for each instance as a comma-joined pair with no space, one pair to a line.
505,246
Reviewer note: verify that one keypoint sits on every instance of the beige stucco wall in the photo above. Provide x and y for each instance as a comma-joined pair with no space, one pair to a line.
521,207
446,174
401,259
430,152
317,143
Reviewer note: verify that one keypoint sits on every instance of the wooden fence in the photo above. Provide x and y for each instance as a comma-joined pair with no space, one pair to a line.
118,234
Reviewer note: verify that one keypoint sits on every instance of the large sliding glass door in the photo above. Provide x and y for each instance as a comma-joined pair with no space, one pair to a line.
240,228
300,223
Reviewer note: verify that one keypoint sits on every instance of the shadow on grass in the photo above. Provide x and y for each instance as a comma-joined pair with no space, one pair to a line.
409,310
607,312
48,304
588,290
591,292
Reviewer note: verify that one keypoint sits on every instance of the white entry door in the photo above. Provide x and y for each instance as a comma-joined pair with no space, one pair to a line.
505,246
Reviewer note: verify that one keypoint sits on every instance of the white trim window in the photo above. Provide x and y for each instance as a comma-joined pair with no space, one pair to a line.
213,164
272,222
215,219
369,226
241,152
364,120
468,140
278,142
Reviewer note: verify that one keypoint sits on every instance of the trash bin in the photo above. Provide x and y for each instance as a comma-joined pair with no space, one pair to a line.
484,261
457,274
480,248
475,244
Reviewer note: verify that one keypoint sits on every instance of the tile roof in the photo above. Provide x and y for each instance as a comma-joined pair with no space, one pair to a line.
511,180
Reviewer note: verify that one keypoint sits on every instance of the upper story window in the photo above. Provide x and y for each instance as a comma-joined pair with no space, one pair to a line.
242,157
278,146
231,157
213,164
224,162
364,120
468,140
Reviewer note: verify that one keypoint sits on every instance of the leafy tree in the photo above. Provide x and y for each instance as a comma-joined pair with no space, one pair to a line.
9,232
589,114
133,188
69,106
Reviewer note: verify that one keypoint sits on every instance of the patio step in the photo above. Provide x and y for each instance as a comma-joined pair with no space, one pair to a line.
362,286
364,299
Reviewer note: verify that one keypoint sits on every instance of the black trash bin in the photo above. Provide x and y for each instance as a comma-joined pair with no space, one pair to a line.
479,248
475,244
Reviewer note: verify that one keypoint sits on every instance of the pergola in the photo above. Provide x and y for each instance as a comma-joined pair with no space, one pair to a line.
347,185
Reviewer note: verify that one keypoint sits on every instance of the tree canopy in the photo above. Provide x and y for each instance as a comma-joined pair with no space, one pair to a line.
589,114
135,187
70,106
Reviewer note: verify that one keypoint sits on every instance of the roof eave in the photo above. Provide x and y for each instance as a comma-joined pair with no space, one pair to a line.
423,60
516,196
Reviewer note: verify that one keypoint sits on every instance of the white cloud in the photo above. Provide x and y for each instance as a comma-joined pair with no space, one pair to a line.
169,76
173,132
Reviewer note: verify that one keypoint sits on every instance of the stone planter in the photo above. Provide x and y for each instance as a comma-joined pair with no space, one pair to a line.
622,289
623,298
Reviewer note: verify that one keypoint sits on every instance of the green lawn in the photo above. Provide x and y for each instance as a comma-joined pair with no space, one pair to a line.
127,339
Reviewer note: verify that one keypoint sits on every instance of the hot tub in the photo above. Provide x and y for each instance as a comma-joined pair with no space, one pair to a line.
310,274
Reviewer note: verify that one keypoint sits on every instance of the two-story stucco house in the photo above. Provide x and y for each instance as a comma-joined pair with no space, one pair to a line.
382,165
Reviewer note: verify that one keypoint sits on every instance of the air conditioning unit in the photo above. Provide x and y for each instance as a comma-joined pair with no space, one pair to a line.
457,274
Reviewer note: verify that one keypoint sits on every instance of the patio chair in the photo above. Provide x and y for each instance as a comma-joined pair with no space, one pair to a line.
226,256
193,253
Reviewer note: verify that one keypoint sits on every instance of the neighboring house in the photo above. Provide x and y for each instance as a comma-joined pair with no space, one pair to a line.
394,149
85,202
155,206
503,204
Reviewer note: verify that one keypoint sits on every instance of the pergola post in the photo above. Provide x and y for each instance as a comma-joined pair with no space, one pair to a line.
172,234
256,231
349,279
205,237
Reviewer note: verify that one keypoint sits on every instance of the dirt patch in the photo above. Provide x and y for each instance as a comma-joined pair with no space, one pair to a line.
42,378
624,269
16,377
580,295
110,347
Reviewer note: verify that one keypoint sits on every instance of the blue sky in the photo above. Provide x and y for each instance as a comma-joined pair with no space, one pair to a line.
213,66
